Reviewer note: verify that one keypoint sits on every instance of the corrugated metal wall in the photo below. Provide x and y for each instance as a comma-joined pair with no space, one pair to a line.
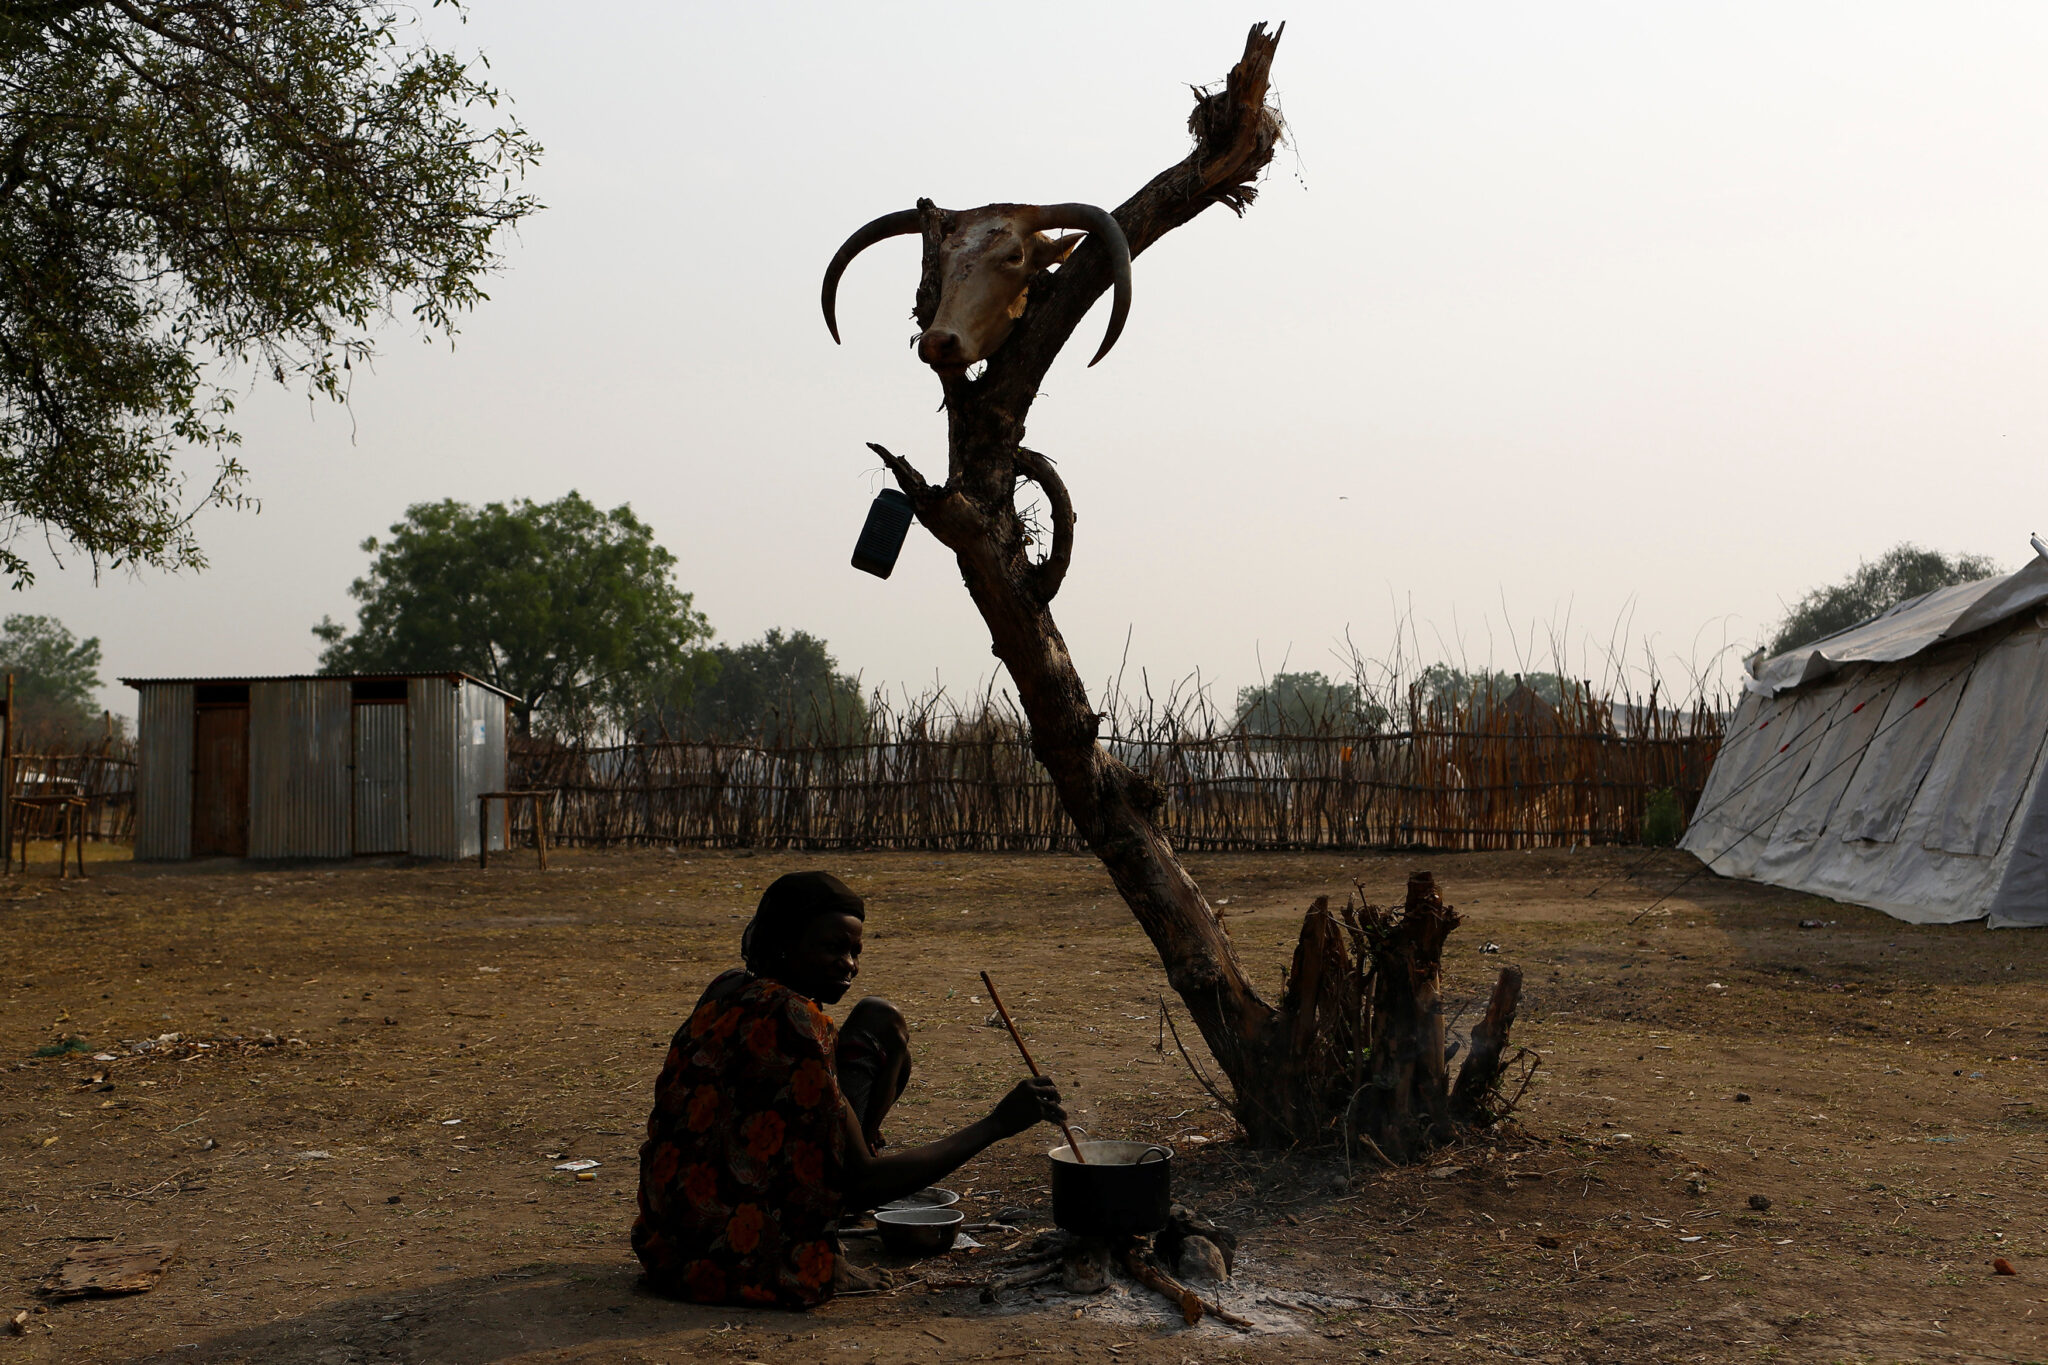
458,752
436,823
299,789
479,760
380,777
163,772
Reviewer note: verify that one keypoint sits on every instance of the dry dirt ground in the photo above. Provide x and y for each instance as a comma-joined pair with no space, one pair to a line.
378,1184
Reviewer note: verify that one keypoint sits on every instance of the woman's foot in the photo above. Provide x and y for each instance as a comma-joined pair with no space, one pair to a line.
848,1278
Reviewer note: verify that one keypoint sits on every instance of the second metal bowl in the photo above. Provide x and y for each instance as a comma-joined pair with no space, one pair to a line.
920,1232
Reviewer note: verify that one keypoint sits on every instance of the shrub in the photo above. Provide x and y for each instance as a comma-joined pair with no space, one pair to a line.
1663,818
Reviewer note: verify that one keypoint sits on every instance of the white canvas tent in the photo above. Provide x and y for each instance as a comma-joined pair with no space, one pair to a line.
1899,764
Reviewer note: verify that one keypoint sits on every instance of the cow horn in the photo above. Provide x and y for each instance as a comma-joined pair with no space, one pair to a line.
1099,223
901,223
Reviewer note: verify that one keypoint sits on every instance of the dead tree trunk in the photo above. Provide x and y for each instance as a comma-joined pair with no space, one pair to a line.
1283,1064
1476,1099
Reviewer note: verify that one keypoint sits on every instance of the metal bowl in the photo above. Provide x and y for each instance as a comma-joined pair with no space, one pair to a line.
918,1232
930,1197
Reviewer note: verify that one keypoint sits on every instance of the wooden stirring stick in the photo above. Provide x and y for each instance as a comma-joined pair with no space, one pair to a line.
1018,1039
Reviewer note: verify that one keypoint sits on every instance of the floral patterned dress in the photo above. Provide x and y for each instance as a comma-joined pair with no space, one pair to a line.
740,1176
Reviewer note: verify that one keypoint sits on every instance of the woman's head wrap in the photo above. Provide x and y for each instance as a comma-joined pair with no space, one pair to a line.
790,902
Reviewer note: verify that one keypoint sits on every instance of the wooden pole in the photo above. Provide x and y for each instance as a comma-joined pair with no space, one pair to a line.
540,827
483,831
1018,1039
7,781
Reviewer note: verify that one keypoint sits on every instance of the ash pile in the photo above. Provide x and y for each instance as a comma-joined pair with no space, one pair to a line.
1189,1268
1186,1258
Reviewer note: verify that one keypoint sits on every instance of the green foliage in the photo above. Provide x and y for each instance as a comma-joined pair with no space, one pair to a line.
1444,684
779,685
571,609
1899,574
192,186
64,1046
1663,819
56,677
1307,703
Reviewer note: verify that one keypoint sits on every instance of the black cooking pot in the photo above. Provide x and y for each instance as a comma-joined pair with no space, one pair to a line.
1123,1189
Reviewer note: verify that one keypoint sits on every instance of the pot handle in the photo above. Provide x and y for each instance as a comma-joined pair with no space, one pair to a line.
1163,1154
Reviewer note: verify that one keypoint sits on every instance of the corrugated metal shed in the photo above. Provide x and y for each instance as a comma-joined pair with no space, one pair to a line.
436,819
316,766
299,769
163,786
380,776
465,718
481,765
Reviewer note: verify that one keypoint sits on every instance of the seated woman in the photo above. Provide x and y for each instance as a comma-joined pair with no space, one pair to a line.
767,1121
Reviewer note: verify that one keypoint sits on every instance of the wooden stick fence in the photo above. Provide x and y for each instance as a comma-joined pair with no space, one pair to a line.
1481,772
1473,774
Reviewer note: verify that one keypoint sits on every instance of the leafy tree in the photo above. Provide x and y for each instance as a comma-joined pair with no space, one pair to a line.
778,685
56,676
191,187
571,609
1899,574
1305,703
1444,683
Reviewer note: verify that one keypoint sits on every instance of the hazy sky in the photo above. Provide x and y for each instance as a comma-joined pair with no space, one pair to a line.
1548,313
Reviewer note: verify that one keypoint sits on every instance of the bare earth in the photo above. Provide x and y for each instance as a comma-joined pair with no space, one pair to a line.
378,1184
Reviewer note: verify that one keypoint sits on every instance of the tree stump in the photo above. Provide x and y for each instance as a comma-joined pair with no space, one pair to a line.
1358,1052
1405,1103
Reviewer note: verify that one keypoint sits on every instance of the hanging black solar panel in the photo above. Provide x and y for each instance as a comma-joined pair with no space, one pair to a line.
881,539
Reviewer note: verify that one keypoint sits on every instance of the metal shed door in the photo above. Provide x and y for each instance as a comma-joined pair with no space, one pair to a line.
380,777
220,780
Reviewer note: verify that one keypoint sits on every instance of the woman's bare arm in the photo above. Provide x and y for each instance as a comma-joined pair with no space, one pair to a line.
873,1180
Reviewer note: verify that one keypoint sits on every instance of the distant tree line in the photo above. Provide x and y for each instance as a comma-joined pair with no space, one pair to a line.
56,681
781,684
576,613
1898,575
1309,701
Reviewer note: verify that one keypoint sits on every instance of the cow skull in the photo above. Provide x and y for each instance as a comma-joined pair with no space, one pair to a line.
987,261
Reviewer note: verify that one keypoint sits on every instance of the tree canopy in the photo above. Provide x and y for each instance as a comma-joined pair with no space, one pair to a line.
1444,684
571,609
189,188
56,675
1899,574
1306,703
779,685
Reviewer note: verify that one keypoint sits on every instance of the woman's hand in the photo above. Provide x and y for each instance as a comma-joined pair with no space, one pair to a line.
1029,1102
874,1179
